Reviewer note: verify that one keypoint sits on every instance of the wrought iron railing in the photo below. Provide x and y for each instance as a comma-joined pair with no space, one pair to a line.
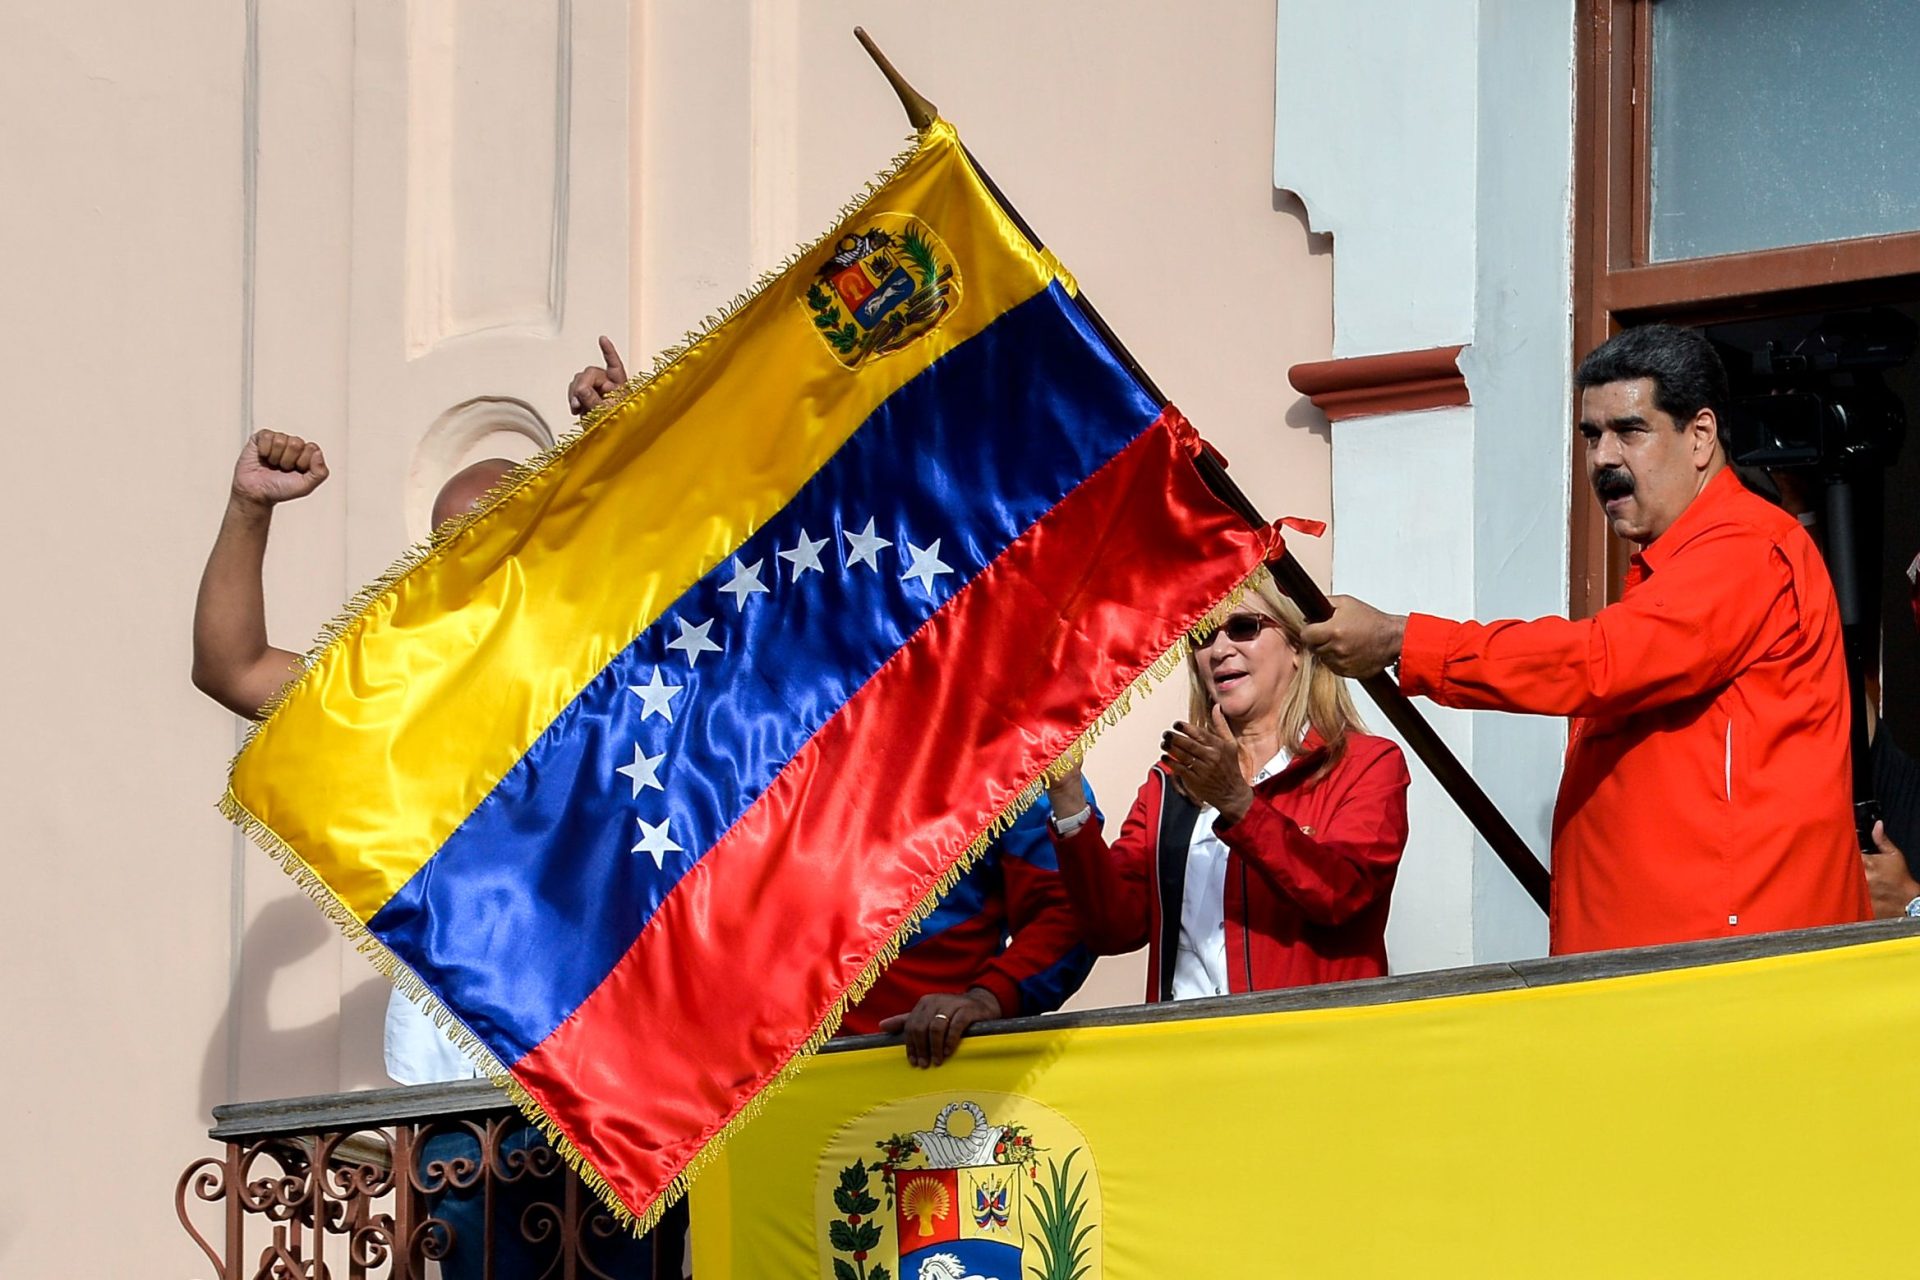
386,1182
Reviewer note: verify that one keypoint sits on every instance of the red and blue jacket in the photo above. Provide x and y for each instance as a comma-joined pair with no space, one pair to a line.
1007,926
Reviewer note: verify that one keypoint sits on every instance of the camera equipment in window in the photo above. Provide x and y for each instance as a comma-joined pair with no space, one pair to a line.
1821,403
1818,405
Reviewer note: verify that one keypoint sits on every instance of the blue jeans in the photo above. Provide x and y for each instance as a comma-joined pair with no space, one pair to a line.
515,1257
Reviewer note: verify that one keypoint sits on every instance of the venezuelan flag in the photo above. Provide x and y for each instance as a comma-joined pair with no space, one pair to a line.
641,772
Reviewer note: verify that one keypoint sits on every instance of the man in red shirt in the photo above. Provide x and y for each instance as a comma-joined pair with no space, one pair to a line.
1706,788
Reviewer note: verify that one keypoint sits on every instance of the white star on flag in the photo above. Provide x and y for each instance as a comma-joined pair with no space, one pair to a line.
693,640
644,771
746,582
865,547
657,695
655,840
925,565
805,556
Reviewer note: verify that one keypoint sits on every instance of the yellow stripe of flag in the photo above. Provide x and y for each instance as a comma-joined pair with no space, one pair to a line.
436,689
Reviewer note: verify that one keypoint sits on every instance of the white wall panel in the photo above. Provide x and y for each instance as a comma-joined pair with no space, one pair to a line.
1375,121
1398,485
488,90
1433,139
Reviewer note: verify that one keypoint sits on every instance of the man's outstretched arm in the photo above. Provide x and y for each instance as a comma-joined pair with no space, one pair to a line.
232,662
1690,628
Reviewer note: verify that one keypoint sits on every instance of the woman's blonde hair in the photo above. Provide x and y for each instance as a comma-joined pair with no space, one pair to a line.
1318,699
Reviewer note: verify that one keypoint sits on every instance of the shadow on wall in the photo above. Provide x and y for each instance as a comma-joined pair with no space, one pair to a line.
1302,415
286,932
1319,243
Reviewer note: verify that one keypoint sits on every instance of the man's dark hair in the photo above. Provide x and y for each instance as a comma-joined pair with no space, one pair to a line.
1686,370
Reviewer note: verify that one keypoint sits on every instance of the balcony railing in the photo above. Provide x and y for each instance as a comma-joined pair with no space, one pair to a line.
385,1182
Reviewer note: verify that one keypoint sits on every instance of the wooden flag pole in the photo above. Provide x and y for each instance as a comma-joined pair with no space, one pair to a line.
920,112
1287,571
1399,709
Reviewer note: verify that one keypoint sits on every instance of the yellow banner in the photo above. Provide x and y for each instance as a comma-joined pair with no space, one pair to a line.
1746,1119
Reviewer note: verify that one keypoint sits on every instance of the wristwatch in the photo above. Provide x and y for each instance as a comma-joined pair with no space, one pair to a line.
1074,821
1913,909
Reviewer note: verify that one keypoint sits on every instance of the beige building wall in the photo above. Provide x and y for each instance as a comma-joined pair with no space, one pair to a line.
120,319
397,228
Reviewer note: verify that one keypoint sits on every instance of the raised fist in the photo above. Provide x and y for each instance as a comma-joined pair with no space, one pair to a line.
276,467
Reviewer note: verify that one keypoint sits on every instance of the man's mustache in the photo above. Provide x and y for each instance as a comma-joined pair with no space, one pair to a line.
1613,482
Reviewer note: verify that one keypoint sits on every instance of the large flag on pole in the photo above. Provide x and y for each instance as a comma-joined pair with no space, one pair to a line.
642,772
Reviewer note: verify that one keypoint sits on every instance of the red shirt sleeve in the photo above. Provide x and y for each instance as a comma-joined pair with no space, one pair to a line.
1689,626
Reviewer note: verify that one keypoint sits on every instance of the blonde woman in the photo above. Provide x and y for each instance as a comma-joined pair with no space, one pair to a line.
1262,849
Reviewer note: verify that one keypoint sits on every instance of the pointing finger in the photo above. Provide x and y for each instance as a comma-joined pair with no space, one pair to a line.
615,369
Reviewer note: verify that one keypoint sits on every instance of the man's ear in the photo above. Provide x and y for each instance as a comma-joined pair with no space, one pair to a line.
1704,432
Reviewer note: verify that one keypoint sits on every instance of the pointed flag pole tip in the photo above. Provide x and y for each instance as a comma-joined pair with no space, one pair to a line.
920,112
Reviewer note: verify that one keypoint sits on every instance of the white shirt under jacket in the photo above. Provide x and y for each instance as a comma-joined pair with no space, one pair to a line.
1200,968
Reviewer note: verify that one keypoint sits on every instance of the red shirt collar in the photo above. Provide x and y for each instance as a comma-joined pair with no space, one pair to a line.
1703,512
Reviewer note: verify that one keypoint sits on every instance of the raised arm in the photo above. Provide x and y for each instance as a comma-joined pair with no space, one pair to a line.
1688,629
232,662
1109,885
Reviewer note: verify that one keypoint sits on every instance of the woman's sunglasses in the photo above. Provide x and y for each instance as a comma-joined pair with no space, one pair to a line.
1241,628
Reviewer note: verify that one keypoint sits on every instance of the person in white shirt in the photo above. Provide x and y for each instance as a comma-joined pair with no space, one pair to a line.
235,666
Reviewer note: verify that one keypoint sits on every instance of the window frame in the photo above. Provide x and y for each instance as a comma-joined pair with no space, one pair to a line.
1616,283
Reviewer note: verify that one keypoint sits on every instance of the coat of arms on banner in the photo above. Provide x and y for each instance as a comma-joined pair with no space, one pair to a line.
992,1187
881,287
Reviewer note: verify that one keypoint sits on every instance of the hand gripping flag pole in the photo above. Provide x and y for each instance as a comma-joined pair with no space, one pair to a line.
1399,710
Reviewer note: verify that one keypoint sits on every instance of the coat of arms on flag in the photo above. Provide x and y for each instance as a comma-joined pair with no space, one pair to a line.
641,774
974,1195
883,286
